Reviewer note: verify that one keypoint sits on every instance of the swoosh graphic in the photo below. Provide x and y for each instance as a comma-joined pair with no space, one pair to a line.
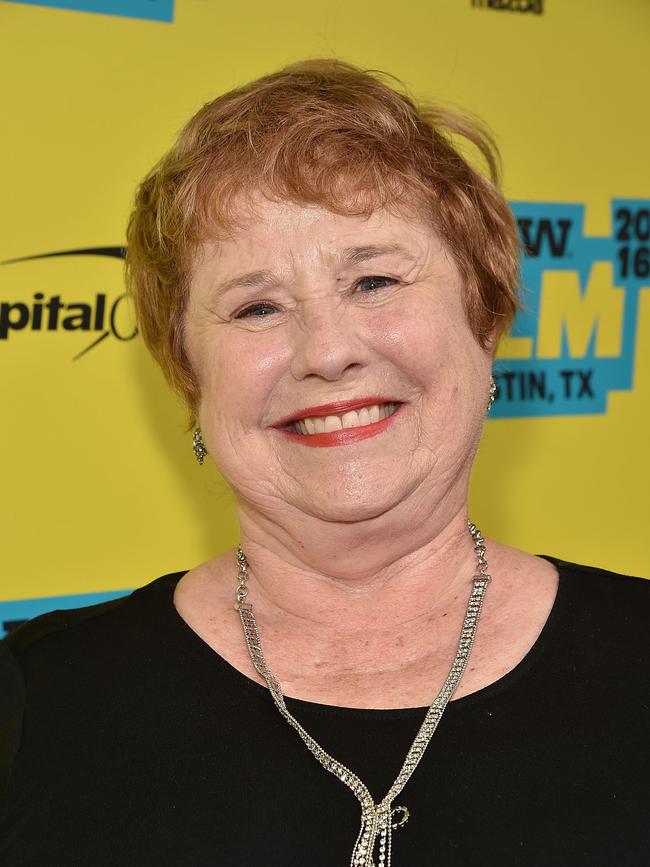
113,252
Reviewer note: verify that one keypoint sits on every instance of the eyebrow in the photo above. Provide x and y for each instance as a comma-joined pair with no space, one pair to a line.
348,256
358,255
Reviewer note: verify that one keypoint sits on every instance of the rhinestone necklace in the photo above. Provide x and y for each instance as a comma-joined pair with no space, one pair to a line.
377,820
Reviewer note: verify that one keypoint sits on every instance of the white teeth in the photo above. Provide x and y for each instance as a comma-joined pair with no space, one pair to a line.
353,418
332,422
350,419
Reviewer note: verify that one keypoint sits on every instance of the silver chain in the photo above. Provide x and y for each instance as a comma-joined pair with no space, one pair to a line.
376,819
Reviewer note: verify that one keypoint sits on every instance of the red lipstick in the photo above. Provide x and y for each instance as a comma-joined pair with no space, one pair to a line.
337,408
345,436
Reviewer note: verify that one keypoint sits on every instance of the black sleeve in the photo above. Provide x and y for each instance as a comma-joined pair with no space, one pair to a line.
12,705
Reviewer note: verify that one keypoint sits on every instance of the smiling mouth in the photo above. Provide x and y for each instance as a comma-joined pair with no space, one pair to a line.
354,418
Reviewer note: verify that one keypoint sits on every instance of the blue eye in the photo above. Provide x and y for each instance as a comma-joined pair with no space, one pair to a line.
374,281
257,310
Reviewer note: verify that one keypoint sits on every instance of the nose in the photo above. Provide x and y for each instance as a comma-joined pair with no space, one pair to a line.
327,342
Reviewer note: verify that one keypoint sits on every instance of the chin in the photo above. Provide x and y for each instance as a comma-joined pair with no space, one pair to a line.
350,506
354,514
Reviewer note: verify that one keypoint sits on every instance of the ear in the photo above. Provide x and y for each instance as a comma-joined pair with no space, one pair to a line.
492,340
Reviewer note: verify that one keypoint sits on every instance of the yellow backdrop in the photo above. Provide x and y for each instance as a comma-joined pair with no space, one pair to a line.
100,488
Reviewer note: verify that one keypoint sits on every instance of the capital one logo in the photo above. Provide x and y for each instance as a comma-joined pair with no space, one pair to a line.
574,342
97,315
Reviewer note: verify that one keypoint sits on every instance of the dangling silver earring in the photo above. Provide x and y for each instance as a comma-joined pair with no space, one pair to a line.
493,391
199,446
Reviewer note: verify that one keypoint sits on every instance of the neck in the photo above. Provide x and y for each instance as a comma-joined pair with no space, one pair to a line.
377,575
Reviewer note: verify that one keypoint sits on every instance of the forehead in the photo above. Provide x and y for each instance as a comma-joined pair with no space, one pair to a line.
265,229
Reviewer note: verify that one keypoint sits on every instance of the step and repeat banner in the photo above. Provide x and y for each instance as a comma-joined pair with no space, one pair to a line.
100,489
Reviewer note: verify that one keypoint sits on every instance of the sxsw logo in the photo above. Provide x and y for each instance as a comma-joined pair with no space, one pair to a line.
575,339
152,10
536,6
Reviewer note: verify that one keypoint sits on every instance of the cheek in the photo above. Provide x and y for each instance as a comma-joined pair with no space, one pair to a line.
421,343
239,373
440,363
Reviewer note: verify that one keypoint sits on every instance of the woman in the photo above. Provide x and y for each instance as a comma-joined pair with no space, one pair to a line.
324,277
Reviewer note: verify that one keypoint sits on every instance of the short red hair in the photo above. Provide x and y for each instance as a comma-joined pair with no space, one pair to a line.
321,132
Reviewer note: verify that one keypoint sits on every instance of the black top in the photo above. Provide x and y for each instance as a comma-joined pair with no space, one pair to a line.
126,740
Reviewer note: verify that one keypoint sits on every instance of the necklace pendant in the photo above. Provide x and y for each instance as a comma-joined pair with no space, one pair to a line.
376,834
404,816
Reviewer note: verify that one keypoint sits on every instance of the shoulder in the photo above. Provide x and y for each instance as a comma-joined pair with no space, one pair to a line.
53,638
601,580
521,566
602,610
607,609
47,663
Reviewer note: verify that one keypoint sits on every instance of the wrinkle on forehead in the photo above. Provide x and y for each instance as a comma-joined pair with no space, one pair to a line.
249,206
269,233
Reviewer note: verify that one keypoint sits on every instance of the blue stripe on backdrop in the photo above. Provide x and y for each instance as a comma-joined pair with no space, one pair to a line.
152,10
13,613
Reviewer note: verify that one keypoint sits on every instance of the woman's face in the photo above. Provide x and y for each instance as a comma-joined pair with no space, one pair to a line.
301,308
